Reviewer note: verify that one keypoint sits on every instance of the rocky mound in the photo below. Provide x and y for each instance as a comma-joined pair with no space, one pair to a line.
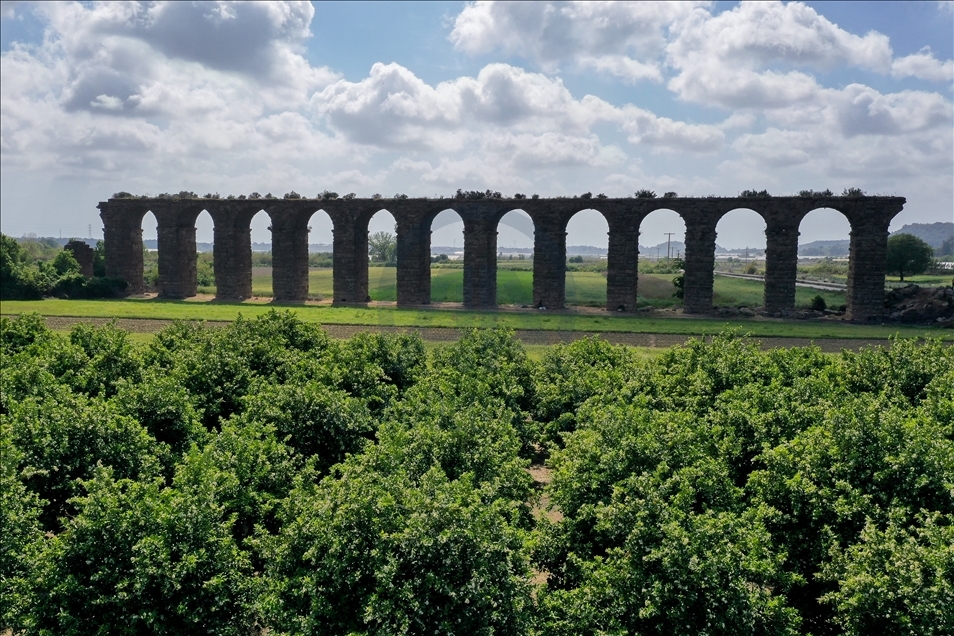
914,304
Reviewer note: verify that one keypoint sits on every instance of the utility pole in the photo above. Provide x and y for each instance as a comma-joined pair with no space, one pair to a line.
668,241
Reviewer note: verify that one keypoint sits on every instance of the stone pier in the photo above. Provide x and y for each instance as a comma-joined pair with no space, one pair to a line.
122,220
83,254
480,262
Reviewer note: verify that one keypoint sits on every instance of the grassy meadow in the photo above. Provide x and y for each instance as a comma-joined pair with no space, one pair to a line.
594,322
925,280
515,287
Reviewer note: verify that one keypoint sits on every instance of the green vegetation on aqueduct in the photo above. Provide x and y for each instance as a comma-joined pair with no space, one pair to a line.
264,478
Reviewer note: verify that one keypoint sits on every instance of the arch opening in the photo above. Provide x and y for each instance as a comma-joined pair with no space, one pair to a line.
447,257
587,248
740,260
662,248
150,253
204,246
381,257
824,243
320,256
260,254
514,275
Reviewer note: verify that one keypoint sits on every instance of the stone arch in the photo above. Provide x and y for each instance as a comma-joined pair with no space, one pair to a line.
259,244
829,224
743,233
446,230
514,245
826,232
148,262
586,228
205,279
320,269
380,282
662,238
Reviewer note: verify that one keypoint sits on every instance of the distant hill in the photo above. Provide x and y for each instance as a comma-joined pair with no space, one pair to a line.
585,250
934,234
824,248
676,249
313,248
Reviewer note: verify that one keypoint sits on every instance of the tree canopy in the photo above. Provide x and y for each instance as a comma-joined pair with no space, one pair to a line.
382,247
264,477
40,268
908,255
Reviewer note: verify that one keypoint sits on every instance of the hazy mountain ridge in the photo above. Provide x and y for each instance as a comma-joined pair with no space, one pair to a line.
934,234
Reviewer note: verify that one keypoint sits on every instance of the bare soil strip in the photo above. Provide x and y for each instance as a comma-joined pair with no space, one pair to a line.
527,336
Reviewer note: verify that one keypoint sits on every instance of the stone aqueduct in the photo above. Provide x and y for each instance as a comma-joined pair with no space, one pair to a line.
122,219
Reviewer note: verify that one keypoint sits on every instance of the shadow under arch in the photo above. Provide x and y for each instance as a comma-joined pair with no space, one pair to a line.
738,229
586,269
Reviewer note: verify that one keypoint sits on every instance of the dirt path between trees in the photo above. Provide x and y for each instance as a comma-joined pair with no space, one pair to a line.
527,336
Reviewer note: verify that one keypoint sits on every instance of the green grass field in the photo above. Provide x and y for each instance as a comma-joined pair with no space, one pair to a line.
738,292
923,279
196,309
515,287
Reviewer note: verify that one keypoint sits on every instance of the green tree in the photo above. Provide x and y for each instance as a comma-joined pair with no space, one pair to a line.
99,259
62,439
655,538
138,558
382,246
907,254
571,374
317,421
867,463
21,332
19,280
375,552
20,534
65,263
896,580
164,408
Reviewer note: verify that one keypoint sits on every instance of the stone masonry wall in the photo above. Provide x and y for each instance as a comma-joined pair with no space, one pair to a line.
83,254
122,220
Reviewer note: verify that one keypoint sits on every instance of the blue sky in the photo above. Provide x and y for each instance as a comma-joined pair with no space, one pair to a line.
425,98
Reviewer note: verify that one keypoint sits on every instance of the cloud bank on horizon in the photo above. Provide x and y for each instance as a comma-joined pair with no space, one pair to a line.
555,98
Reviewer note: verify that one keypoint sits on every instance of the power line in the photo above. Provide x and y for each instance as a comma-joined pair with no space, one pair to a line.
668,240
